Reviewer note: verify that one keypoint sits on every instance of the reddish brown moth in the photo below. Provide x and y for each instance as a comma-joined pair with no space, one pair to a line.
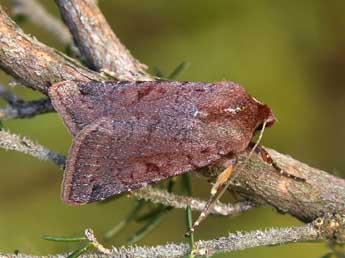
130,134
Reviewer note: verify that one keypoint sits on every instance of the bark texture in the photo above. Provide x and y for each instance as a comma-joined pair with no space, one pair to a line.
97,42
33,63
321,193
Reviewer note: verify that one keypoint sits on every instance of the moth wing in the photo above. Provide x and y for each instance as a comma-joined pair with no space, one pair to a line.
81,103
106,159
63,98
92,167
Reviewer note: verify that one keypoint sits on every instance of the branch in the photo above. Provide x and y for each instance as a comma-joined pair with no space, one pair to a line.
168,199
14,142
259,182
34,64
18,108
97,42
330,227
36,13
26,109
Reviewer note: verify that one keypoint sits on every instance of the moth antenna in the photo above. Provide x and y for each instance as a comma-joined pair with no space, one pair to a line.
257,143
223,182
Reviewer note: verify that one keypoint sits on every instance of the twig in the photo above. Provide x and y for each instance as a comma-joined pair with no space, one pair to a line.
8,95
331,227
91,237
26,109
97,42
14,142
156,195
34,64
18,108
260,182
36,13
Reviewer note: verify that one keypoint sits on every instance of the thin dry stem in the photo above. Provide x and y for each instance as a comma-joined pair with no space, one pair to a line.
14,142
26,109
328,227
156,195
18,108
97,42
36,13
34,64
89,234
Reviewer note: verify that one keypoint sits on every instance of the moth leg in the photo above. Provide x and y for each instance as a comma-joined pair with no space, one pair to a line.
216,191
224,176
268,159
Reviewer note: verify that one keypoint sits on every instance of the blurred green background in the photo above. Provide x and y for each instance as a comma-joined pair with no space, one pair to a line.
289,54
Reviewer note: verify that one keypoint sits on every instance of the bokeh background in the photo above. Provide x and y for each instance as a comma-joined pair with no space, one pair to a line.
289,54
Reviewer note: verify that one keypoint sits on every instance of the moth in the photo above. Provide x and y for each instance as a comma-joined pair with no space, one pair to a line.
127,135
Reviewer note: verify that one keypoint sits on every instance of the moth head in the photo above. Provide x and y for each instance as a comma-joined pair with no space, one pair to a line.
265,114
